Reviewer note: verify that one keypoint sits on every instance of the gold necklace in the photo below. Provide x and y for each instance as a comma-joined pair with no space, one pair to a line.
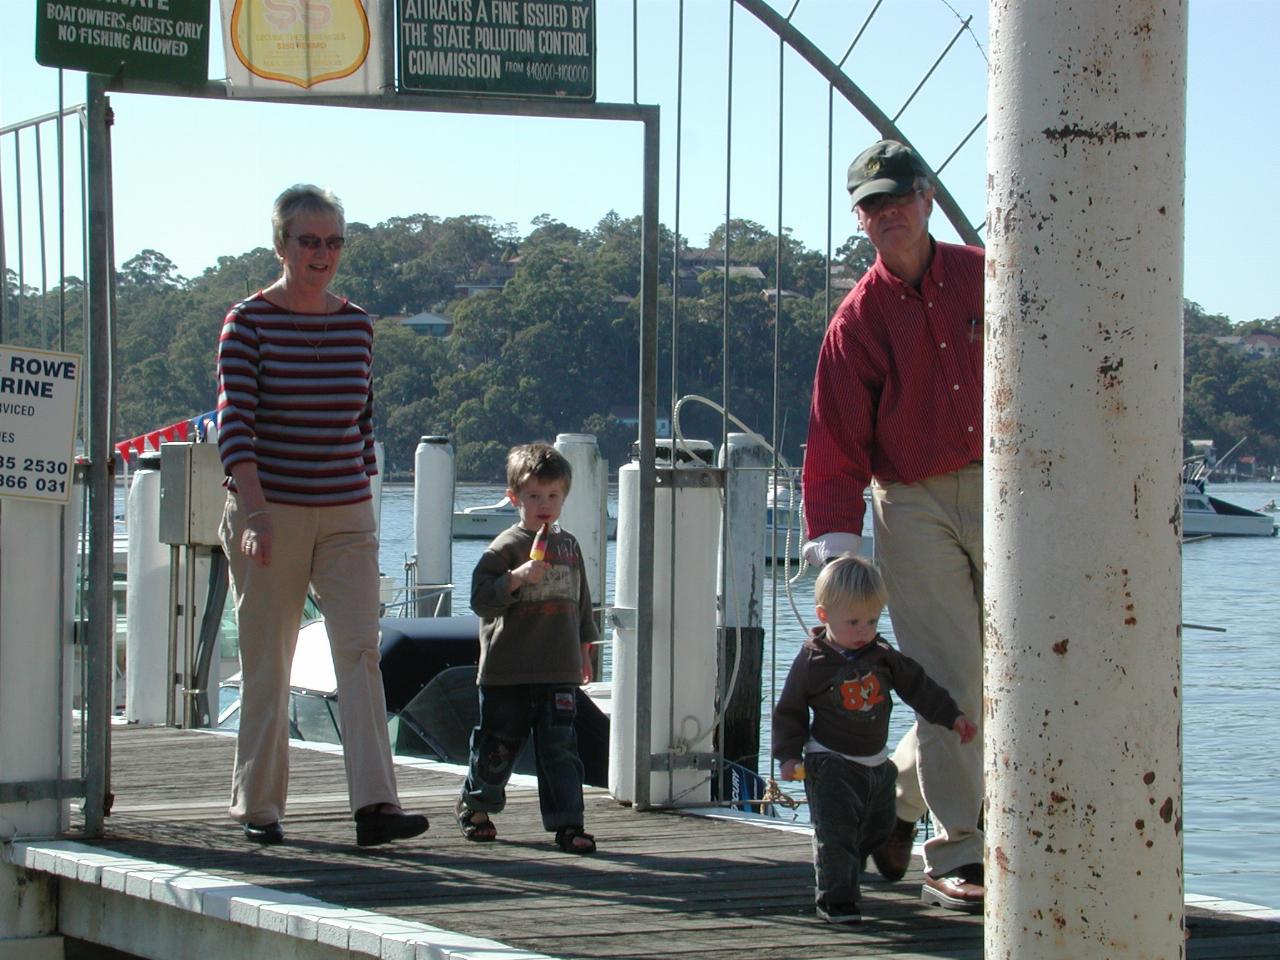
313,344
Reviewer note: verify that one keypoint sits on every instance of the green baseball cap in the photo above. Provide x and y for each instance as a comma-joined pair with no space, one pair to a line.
884,167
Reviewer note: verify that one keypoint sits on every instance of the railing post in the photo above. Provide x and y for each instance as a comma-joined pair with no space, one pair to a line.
101,628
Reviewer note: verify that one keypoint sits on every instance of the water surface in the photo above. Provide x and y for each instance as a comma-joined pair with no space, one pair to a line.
1231,752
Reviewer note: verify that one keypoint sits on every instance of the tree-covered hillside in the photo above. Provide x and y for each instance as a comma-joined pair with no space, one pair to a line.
548,341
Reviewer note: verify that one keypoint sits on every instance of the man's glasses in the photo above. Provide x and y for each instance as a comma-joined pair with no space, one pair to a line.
310,241
884,201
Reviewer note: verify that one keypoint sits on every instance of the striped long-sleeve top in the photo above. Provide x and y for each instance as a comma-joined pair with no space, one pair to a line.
295,396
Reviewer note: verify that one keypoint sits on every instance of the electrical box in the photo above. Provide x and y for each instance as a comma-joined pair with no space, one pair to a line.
192,497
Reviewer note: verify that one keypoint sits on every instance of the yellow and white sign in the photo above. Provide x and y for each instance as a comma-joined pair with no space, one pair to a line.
38,400
300,47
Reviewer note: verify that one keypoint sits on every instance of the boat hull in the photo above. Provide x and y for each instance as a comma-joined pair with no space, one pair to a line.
1206,516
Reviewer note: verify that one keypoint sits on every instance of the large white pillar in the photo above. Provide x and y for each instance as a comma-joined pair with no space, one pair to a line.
36,543
1082,520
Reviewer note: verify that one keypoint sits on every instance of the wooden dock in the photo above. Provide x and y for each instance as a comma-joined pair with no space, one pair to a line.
662,885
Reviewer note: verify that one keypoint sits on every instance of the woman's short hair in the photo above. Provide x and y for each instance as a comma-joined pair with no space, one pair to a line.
849,579
303,198
537,461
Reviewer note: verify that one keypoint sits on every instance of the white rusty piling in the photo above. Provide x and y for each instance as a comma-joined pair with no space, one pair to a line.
1082,493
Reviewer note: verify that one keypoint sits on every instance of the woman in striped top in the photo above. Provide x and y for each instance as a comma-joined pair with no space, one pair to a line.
295,433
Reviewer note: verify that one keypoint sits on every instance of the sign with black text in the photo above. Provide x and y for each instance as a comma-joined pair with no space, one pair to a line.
38,401
145,39
501,48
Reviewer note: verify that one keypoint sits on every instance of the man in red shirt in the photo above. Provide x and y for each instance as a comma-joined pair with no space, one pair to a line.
897,406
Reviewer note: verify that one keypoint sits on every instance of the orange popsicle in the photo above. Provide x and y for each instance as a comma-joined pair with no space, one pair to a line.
539,549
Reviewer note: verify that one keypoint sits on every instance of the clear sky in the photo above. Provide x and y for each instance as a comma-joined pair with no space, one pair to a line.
195,180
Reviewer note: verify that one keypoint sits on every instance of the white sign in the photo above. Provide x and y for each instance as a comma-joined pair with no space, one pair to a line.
293,48
39,391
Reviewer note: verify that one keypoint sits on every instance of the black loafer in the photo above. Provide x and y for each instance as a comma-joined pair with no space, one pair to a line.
265,833
373,828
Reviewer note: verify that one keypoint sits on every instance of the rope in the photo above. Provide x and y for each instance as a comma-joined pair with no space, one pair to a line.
776,795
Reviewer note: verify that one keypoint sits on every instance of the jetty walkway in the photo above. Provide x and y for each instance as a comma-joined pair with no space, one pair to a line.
174,878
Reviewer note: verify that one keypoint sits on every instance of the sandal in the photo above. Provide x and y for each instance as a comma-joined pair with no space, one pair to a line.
479,831
575,840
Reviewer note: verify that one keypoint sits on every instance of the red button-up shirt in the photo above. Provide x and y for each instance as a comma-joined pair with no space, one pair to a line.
898,390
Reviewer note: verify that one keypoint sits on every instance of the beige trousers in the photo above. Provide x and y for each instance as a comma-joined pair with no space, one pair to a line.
929,546
334,550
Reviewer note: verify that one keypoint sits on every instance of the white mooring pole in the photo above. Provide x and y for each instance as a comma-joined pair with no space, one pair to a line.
1082,493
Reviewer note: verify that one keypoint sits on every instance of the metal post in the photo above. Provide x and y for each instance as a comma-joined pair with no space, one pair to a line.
1082,519
97,721
648,448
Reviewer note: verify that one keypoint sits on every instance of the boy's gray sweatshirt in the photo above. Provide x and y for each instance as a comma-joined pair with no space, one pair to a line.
534,634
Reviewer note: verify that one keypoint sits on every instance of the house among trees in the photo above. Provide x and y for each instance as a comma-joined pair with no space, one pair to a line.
491,277
1258,344
428,324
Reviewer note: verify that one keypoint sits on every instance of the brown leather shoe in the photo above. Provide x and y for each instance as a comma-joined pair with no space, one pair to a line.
959,889
894,855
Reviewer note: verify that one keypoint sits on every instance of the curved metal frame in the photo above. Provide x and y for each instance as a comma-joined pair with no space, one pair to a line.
840,81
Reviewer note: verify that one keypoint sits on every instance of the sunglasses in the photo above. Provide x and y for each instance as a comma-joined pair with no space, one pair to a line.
310,241
883,201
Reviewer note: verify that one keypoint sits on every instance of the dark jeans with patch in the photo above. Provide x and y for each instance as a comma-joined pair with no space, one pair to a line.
852,808
507,715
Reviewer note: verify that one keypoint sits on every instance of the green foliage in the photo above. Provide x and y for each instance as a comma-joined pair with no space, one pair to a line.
556,349
1229,394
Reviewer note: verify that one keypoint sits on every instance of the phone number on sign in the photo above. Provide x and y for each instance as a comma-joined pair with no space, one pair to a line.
33,473
35,465
18,481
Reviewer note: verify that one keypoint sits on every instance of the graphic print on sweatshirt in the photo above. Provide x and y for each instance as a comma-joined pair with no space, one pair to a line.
861,694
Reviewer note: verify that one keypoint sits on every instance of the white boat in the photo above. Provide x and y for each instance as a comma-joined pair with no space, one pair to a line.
783,511
485,523
1207,516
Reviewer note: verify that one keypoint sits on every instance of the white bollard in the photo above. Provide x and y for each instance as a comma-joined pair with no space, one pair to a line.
744,543
1083,383
585,513
746,460
682,707
433,482
146,599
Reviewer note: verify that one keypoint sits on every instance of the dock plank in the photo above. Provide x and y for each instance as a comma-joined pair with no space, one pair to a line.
663,883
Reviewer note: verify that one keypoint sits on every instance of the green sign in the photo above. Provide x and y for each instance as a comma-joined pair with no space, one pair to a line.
502,48
146,39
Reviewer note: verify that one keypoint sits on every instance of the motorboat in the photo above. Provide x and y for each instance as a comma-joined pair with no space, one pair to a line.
485,523
1208,516
428,667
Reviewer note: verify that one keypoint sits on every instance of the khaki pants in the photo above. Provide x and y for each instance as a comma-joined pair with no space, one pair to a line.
929,546
334,550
